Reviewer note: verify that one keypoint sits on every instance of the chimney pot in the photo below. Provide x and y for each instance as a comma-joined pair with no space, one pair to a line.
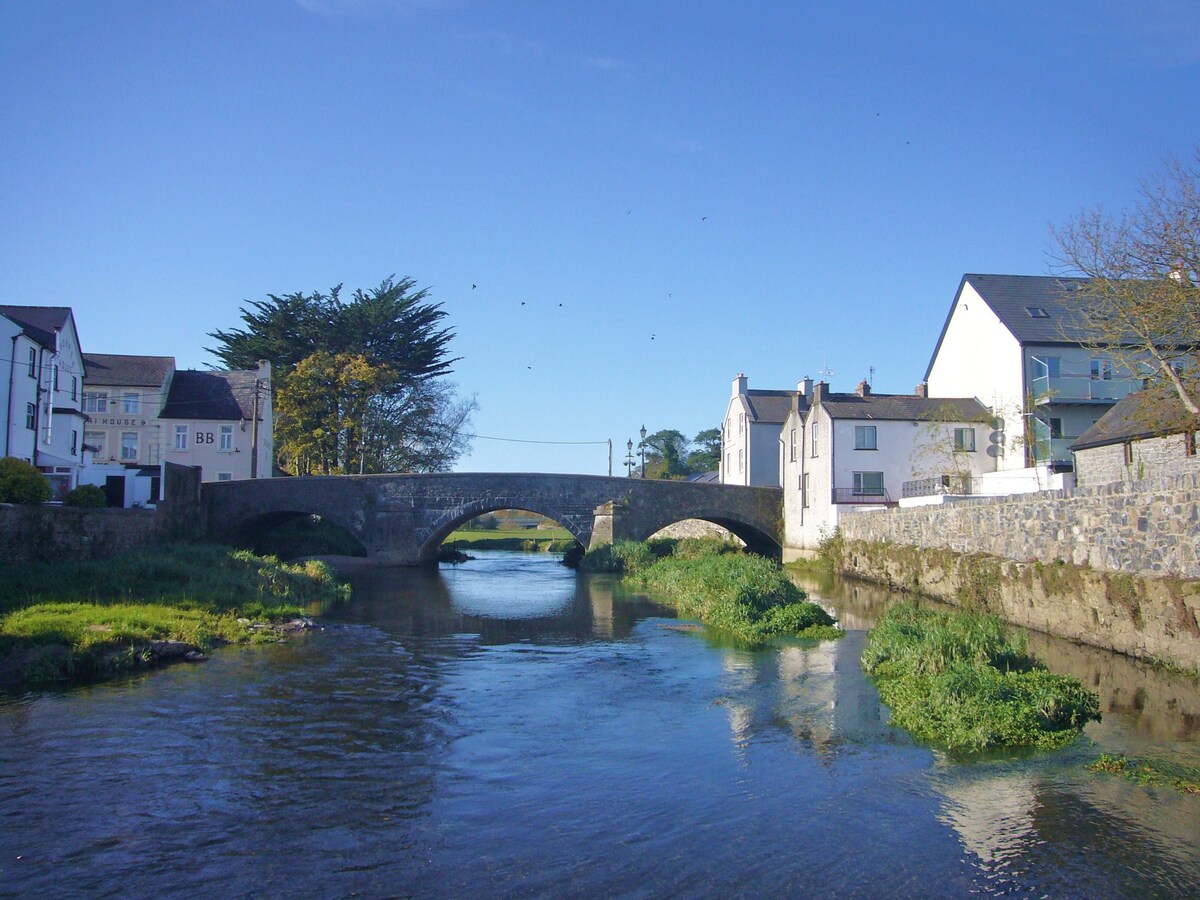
922,390
864,389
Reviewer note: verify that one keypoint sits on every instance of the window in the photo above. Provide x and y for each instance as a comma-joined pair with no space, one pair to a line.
55,370
1189,444
181,437
1102,369
74,388
95,401
864,437
868,484
30,416
815,429
95,440
33,362
1056,427
1037,312
804,492
226,445
792,446
741,422
741,460
129,445
1128,446
224,476
74,441
964,440
130,403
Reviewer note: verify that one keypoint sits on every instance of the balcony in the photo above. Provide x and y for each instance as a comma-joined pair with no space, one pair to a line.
1081,389
863,497
936,485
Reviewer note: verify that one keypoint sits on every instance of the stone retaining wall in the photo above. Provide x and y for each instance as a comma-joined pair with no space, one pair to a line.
48,533
1112,566
1148,527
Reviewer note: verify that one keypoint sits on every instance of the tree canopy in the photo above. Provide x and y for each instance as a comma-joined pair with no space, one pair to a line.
359,386
669,454
1141,304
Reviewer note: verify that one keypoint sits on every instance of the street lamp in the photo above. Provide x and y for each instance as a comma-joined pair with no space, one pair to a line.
629,458
642,447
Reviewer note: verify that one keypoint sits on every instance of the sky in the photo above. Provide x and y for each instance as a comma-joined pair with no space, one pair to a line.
620,205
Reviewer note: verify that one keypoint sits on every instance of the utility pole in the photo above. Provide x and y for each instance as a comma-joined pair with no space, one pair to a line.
254,430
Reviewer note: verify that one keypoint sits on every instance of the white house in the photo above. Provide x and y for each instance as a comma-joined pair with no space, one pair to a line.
42,389
221,422
750,432
1011,342
865,450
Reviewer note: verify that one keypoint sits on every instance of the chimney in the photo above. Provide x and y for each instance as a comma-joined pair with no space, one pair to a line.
820,392
805,387
739,384
864,389
921,390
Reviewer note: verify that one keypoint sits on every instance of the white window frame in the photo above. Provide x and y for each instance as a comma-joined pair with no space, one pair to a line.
181,437
95,401
224,476
130,450
964,440
226,445
31,416
95,439
1101,368
862,489
866,437
815,444
131,403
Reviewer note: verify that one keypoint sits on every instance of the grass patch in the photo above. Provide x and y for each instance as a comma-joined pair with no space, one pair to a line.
84,619
1185,779
962,680
745,596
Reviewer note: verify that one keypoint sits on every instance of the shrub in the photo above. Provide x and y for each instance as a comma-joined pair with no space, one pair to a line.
87,496
22,483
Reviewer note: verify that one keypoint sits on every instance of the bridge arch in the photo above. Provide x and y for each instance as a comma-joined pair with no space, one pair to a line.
755,539
427,553
256,532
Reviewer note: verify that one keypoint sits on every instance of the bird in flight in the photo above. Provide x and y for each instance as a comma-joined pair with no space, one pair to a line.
474,286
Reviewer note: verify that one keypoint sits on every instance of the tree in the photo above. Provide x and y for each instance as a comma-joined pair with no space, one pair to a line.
707,455
1141,304
359,386
665,454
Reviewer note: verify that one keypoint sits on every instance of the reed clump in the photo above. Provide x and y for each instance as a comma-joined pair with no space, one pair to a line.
963,680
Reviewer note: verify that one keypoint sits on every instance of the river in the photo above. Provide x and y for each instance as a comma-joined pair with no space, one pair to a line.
509,728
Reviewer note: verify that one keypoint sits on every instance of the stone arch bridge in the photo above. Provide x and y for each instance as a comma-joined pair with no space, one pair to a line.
403,519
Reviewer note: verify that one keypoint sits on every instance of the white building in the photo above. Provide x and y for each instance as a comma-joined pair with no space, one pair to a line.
1010,341
865,450
750,431
42,387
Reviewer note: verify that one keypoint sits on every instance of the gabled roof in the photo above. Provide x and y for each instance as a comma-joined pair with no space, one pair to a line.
211,395
1152,412
771,407
39,322
1036,309
904,406
128,371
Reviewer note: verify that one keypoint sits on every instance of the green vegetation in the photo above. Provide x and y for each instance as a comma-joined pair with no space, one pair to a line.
86,496
22,483
963,680
746,596
78,620
1185,779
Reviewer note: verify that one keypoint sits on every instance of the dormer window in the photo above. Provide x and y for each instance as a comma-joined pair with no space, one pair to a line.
1037,312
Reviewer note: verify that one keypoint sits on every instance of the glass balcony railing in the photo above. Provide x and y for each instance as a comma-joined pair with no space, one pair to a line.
1081,389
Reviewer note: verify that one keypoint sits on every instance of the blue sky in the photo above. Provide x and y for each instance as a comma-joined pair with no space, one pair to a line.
706,188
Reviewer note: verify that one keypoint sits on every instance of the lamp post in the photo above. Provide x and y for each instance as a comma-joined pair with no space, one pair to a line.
642,447
629,458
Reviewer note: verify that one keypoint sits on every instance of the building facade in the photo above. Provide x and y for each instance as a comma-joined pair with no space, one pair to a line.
1148,434
42,387
750,435
866,450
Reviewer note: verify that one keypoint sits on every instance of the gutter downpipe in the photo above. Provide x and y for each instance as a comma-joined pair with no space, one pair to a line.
12,377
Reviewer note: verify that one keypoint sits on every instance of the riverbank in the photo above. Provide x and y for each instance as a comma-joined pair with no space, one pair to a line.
74,621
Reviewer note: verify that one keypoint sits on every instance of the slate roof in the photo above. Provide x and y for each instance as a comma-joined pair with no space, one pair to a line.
771,407
127,371
211,395
904,406
39,322
1152,412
